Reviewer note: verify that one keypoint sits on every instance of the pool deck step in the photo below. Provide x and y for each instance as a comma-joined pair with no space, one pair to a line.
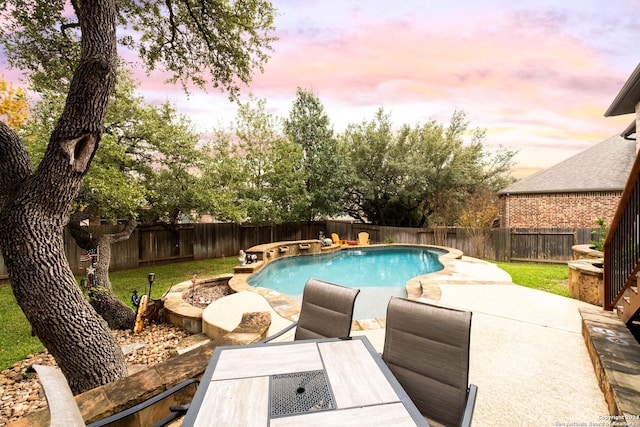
615,354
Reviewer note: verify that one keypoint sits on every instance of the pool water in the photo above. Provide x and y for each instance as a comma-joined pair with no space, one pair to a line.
380,273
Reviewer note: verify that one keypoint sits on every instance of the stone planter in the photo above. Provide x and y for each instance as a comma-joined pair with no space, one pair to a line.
586,252
179,312
586,280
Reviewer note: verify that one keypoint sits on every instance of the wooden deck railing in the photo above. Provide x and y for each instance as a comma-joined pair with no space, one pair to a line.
622,245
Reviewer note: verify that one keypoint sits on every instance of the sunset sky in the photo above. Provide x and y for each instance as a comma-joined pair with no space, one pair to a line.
537,75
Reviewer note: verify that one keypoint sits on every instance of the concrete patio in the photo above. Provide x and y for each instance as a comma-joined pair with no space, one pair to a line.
528,354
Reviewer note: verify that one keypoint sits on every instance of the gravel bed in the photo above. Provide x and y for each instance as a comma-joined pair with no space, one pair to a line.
20,395
201,295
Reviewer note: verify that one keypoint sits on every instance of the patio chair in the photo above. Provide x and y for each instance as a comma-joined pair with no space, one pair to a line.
363,238
427,349
335,238
65,413
326,312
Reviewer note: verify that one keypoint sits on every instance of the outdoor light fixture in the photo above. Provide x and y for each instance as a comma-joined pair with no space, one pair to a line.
194,279
151,277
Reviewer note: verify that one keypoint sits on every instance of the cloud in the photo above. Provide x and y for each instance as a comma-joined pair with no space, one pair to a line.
537,76
494,61
420,60
524,76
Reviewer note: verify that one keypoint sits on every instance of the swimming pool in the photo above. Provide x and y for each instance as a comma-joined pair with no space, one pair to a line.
379,272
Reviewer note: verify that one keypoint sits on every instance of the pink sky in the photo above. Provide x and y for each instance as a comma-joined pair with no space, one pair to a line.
536,75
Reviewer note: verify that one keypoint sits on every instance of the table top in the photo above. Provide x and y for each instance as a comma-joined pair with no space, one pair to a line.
341,381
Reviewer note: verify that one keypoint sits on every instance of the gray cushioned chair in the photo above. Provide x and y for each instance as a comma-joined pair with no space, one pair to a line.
427,349
326,311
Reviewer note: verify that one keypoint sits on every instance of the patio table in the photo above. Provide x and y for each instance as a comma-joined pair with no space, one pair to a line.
312,382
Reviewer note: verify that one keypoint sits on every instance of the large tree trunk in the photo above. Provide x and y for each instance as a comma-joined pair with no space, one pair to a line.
46,290
104,250
34,208
117,314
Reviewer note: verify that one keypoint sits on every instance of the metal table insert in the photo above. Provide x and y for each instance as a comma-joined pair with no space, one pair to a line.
300,392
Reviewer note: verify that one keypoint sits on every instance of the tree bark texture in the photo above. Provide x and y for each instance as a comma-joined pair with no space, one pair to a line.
34,208
104,250
102,243
117,314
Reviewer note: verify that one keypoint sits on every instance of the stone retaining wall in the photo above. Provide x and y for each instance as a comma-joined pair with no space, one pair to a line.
272,251
586,252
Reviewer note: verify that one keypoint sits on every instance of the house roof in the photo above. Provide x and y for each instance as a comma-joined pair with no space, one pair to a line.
630,130
625,102
603,167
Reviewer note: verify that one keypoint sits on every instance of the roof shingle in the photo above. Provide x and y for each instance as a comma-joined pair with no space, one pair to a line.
603,167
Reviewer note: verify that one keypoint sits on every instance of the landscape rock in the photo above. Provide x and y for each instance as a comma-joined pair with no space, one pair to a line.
21,394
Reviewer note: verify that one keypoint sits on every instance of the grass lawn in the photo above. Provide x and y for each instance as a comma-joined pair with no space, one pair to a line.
545,277
123,282
16,342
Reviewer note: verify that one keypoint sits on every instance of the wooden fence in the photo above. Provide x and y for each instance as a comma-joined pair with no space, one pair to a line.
551,245
539,245
147,247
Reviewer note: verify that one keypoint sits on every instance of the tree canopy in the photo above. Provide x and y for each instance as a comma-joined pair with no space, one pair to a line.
258,168
199,44
421,174
141,146
73,48
13,104
324,159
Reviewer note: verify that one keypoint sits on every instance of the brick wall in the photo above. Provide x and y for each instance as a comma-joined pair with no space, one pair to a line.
571,210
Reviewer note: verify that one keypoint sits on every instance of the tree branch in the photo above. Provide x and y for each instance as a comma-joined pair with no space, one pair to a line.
15,165
80,234
124,234
76,136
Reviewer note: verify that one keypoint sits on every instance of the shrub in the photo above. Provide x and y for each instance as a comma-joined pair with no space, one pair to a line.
600,234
